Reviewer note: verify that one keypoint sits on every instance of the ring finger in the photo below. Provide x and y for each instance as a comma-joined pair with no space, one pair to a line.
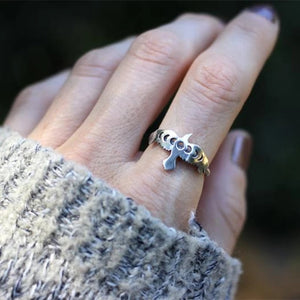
78,95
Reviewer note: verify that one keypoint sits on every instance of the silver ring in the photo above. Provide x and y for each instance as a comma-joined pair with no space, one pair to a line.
180,147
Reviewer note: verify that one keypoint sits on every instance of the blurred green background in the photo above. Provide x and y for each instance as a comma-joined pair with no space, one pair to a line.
41,38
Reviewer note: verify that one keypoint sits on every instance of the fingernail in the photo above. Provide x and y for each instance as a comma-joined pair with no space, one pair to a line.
241,151
266,11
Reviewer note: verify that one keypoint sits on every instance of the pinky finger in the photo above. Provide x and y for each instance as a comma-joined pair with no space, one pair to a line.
32,103
222,207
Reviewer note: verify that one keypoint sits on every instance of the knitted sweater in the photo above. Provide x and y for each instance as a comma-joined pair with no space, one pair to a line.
66,234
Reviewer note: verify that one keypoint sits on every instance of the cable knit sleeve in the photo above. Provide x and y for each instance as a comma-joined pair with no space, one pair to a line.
67,235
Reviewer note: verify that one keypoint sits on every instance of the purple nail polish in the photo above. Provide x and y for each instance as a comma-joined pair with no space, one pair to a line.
266,11
241,151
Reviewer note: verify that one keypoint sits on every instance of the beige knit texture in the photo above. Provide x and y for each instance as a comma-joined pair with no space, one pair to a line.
67,235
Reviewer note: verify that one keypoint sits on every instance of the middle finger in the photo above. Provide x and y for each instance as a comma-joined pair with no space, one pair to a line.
140,87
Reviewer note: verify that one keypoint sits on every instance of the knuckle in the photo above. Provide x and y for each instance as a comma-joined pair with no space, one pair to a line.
233,209
96,63
74,154
187,15
26,94
247,28
234,214
237,215
207,18
216,80
159,46
86,153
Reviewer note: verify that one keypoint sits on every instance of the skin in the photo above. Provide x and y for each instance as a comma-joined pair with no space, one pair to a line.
97,113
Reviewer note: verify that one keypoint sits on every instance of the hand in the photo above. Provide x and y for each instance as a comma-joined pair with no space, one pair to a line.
98,113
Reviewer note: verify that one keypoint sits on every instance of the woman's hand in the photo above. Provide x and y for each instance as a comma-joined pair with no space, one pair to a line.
98,113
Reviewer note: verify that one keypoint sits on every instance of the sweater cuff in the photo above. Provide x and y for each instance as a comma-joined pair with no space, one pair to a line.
66,234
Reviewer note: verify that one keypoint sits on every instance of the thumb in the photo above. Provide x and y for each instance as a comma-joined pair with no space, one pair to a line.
222,207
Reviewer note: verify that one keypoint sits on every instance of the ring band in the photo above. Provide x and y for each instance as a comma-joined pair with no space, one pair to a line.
180,147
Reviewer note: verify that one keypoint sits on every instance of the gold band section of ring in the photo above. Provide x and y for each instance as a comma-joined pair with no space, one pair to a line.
180,147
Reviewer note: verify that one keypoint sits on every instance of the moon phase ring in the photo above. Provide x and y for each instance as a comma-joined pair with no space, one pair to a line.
180,147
